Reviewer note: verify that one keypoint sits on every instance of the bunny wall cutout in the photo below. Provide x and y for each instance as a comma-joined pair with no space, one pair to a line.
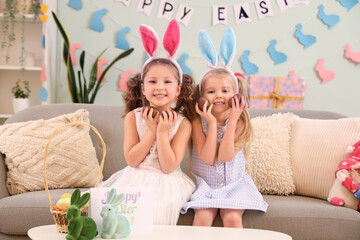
227,52
171,42
79,227
114,225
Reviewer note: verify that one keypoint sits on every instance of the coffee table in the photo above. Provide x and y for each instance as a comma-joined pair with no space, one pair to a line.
47,232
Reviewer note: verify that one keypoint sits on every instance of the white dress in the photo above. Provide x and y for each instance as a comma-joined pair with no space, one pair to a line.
170,191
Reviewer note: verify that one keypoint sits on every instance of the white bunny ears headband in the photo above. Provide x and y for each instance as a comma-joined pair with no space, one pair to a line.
171,42
227,53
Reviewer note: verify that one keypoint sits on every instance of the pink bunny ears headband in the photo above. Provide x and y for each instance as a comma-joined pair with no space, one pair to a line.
171,42
227,53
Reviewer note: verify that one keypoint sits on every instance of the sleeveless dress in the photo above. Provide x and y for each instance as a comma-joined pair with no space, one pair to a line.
170,191
223,185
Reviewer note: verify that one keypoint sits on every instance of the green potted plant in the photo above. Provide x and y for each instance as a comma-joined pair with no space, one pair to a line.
83,90
16,9
21,92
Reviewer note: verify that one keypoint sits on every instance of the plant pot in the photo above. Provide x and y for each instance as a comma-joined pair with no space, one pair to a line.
24,6
20,104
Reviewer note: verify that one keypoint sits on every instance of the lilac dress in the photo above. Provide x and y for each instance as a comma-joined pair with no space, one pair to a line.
223,185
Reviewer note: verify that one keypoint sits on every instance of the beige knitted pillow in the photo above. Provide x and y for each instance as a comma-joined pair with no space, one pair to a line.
317,147
71,158
268,154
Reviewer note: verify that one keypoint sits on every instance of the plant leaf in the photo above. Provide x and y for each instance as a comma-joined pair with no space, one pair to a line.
82,64
81,99
67,59
86,98
119,57
93,73
82,61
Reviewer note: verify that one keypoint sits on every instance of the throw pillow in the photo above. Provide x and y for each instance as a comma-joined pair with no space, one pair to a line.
71,158
317,147
268,154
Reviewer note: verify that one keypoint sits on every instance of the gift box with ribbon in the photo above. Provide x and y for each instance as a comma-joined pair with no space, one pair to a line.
276,92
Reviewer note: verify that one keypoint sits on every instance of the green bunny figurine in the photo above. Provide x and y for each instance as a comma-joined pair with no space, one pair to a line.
79,228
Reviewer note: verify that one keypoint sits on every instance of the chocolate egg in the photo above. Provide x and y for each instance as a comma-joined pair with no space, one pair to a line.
155,111
239,97
201,102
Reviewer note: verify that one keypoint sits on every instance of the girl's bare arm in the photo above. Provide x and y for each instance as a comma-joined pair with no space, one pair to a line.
135,150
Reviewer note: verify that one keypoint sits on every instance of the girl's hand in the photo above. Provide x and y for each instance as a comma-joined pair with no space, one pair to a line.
206,113
167,120
151,122
237,108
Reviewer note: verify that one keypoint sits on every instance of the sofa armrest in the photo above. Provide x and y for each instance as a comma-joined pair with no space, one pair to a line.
3,189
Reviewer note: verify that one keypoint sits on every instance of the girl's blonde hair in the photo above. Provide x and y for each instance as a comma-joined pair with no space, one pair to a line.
244,122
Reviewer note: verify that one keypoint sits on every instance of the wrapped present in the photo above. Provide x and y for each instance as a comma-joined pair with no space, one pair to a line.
276,92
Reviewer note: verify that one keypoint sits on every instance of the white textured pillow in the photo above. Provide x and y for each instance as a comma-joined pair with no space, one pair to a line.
71,158
268,161
317,147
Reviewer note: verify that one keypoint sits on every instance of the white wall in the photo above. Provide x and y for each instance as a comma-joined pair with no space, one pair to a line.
339,95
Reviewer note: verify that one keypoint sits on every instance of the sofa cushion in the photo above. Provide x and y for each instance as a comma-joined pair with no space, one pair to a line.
71,158
268,154
317,147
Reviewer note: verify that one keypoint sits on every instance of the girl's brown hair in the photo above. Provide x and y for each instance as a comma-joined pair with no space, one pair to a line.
134,98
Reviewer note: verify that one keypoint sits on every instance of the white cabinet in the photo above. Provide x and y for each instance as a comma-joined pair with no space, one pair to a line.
13,70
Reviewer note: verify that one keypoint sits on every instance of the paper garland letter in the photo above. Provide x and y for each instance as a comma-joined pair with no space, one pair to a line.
306,2
242,13
126,2
263,8
166,9
184,14
144,6
285,4
220,15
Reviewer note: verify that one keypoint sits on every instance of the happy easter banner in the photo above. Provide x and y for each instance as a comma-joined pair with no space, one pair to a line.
167,9
136,206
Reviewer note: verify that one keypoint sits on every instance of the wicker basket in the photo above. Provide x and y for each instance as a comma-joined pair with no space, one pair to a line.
59,215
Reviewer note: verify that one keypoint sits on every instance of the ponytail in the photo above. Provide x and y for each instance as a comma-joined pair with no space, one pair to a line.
133,96
244,122
184,103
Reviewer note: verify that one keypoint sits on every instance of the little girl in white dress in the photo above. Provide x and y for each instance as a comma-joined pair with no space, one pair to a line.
170,191
155,144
